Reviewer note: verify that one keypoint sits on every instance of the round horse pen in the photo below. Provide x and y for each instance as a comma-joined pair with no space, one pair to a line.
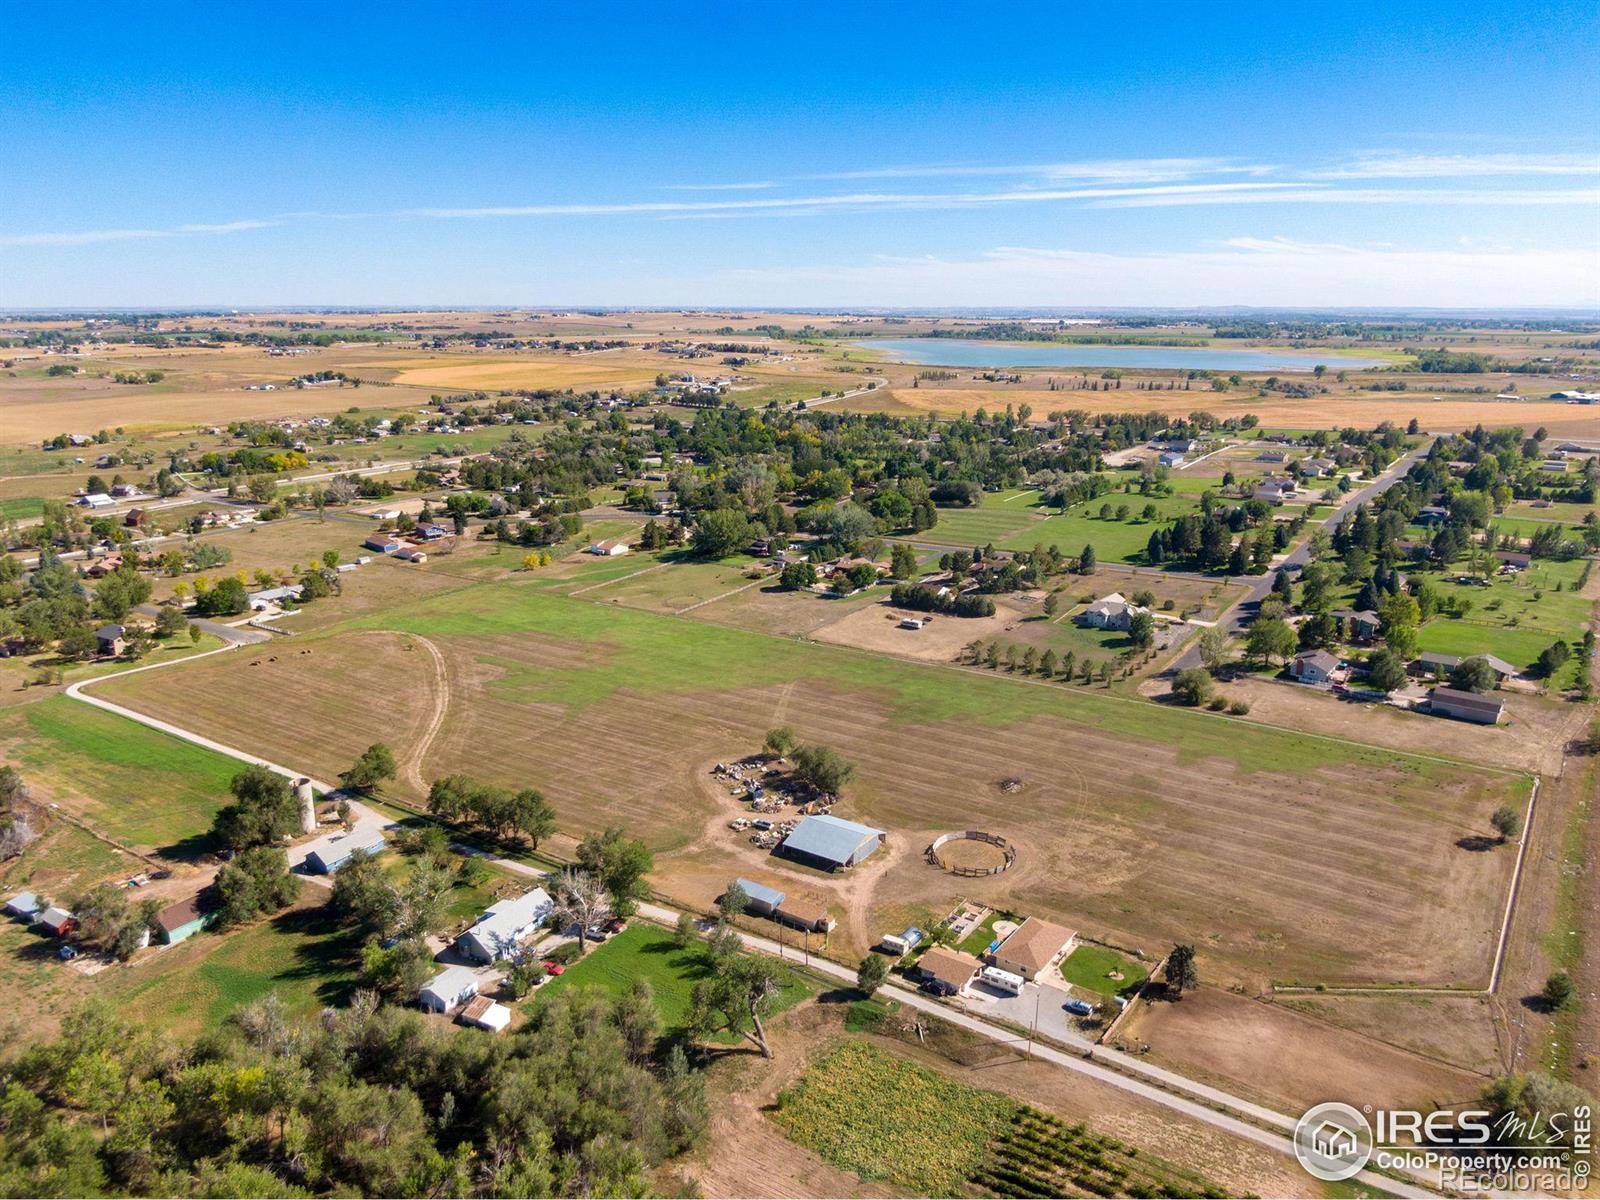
947,855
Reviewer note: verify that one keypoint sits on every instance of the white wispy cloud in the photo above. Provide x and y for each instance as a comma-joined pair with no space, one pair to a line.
1394,165
756,186
228,227
82,237
1317,194
1129,170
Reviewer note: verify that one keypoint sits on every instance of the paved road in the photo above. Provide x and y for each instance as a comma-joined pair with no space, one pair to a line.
1237,617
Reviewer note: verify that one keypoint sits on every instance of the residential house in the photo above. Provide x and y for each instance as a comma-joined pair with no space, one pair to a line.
1466,706
110,640
1514,559
267,597
945,971
1274,490
504,924
183,920
1113,611
1314,666
831,842
447,989
1032,947
1317,468
1431,663
763,900
1432,514
1363,624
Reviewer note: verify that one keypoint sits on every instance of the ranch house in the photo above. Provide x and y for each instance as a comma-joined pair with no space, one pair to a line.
503,925
945,971
610,548
1032,947
452,986
1314,666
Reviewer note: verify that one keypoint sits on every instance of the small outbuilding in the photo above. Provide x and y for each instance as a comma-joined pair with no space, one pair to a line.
805,912
763,900
831,842
486,1014
611,548
180,921
1466,706
24,906
57,922
448,989
333,856
110,640
381,543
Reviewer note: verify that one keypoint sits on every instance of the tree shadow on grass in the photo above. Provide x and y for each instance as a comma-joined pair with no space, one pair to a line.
1477,843
188,850
327,952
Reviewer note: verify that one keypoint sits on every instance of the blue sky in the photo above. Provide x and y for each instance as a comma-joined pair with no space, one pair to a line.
1350,154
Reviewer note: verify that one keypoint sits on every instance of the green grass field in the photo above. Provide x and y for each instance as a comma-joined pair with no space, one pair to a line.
1091,967
1015,521
135,784
643,951
301,954
22,508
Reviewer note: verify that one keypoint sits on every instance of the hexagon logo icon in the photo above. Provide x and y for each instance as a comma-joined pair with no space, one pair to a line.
1333,1141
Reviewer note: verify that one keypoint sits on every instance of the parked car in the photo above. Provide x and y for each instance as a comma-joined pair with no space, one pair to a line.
554,968
1081,1007
615,925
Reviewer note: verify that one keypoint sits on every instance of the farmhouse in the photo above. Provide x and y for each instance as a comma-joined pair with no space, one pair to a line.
450,987
831,843
804,912
24,906
945,971
1111,612
504,924
182,920
110,640
1466,706
764,900
57,922
1316,468
1032,947
610,548
1314,666
330,858
267,597
1432,514
486,1014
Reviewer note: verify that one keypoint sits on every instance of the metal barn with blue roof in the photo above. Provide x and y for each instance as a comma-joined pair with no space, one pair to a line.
831,843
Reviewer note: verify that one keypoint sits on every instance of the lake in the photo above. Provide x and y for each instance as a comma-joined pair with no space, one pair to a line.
970,352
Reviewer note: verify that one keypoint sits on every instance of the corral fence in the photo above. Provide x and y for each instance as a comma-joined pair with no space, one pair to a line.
1007,850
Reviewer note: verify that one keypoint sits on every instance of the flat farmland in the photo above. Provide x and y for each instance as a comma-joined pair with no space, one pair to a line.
1284,855
1015,521
1362,410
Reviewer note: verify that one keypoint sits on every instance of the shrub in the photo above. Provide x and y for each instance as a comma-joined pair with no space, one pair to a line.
1239,708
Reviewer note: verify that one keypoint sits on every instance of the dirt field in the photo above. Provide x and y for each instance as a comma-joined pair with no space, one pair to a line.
1288,1060
1533,738
1455,1030
1120,834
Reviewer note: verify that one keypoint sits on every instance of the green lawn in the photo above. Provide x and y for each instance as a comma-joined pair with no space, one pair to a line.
136,784
644,951
22,508
1091,968
978,940
990,521
304,956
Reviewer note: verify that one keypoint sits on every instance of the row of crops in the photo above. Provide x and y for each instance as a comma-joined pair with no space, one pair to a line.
1039,1155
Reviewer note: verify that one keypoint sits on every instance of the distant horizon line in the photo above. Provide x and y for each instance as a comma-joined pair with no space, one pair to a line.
932,311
